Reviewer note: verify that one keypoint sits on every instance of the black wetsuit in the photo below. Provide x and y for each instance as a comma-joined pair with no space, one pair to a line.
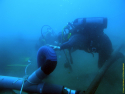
88,35
89,42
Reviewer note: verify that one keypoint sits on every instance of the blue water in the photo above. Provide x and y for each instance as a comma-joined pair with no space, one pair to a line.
20,29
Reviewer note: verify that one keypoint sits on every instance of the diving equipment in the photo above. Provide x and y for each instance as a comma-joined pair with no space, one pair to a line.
80,25
49,29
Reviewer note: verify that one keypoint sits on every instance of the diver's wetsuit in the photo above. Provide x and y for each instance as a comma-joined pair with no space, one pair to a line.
99,43
88,35
75,42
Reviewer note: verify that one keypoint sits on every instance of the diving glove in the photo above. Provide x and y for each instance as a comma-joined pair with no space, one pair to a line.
55,47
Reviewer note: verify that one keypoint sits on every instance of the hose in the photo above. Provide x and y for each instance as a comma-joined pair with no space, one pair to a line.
24,78
47,28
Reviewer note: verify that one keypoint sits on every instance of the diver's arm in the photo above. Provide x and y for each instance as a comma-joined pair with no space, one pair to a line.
65,45
72,42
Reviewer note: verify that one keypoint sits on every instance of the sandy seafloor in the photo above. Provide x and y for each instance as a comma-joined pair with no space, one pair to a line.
84,70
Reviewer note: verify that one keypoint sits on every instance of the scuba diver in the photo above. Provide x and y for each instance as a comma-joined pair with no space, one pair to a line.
87,34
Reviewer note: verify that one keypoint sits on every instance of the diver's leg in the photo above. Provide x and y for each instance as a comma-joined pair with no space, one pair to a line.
102,59
104,49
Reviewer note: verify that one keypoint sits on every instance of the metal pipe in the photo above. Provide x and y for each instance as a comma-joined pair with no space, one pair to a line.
7,82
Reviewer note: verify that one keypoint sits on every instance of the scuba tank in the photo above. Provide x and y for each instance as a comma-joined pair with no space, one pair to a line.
80,25
91,22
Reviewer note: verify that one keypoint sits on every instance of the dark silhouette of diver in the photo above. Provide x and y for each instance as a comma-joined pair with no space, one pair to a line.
87,34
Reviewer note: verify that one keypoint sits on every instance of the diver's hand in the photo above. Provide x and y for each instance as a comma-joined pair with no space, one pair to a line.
55,47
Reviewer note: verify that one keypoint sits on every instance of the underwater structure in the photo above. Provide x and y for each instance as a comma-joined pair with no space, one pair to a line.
47,61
